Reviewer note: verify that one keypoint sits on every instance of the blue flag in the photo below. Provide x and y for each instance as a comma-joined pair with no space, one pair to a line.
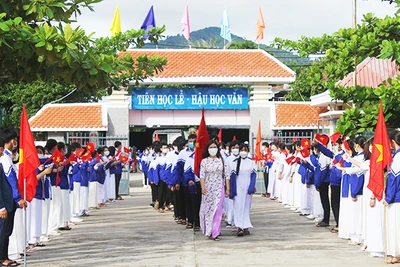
225,27
150,21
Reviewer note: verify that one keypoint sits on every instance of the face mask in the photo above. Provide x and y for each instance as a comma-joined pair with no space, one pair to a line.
191,145
244,154
165,151
175,148
235,151
16,157
213,151
151,152
15,144
66,151
107,153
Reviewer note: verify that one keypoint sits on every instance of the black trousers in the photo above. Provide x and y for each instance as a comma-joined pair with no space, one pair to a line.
335,202
6,228
323,193
181,203
154,192
169,197
196,202
188,205
117,181
266,181
145,179
162,193
175,203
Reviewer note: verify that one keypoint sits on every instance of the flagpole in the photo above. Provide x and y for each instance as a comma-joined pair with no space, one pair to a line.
25,222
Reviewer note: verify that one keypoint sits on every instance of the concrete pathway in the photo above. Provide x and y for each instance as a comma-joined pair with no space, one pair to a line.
131,233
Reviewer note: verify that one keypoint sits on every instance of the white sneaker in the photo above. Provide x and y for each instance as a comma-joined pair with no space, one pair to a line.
318,220
376,255
298,211
293,208
310,217
287,206
76,220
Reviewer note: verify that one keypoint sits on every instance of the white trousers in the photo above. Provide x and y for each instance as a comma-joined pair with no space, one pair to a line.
55,216
45,216
305,206
76,193
100,193
297,190
36,207
316,209
84,199
66,204
17,242
111,187
93,187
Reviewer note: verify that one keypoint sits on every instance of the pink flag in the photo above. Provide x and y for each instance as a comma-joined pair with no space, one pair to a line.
186,24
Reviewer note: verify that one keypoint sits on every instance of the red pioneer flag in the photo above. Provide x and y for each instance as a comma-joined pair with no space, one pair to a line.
258,153
220,135
381,156
305,143
201,142
90,146
28,159
127,150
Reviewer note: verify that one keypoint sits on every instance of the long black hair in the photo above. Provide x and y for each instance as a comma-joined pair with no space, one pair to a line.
240,158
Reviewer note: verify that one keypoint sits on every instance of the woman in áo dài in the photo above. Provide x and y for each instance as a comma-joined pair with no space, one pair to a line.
243,181
212,180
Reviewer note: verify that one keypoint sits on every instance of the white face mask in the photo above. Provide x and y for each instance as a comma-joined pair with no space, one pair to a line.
235,151
175,148
165,151
244,154
213,151
151,152
106,153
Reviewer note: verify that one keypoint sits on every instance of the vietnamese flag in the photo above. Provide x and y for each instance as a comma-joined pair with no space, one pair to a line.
57,156
258,143
127,150
305,143
124,159
201,142
381,156
220,135
28,159
90,146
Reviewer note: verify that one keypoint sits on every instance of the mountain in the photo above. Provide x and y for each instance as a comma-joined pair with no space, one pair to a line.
210,38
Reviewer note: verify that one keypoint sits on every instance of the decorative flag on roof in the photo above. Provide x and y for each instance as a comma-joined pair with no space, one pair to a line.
150,21
381,156
186,24
225,27
260,26
116,24
28,159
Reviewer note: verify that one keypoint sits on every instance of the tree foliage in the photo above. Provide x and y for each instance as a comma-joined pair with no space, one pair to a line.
374,37
38,43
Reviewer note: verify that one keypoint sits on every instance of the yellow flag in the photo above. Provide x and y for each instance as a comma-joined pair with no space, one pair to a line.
116,24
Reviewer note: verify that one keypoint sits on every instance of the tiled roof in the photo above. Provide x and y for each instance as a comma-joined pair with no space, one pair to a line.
372,72
297,115
251,65
70,117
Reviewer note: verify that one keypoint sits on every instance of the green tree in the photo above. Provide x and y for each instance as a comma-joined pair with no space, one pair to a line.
374,37
38,43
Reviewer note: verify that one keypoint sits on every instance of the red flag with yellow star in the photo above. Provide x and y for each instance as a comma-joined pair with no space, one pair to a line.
28,159
381,156
201,142
258,143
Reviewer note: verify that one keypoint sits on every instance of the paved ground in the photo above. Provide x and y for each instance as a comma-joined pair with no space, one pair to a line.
130,233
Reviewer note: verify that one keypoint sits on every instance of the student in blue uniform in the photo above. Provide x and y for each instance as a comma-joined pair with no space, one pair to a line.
64,186
163,175
84,190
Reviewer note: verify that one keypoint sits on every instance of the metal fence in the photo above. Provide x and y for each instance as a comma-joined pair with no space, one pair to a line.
100,140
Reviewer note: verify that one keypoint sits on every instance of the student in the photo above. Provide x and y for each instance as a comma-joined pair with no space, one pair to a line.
272,174
356,191
65,214
93,183
267,165
153,174
162,174
242,187
118,165
183,156
213,174
76,182
392,201
8,204
84,190
234,149
101,177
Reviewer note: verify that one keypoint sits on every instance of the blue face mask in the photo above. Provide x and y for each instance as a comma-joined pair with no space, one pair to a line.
66,151
191,144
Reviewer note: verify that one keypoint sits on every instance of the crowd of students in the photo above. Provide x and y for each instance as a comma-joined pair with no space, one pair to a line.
224,185
72,180
313,179
308,177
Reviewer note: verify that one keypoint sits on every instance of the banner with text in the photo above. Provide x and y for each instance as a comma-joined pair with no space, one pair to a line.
189,98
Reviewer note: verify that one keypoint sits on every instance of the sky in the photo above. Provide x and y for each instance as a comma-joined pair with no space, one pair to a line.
289,19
